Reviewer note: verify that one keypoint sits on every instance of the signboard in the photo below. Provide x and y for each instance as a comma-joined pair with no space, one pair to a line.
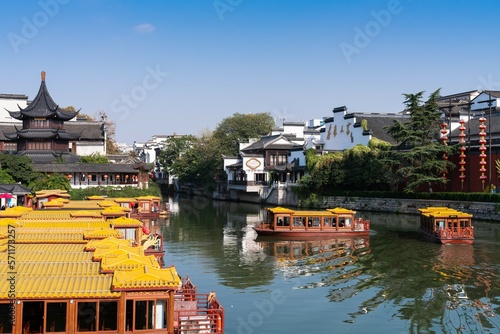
253,163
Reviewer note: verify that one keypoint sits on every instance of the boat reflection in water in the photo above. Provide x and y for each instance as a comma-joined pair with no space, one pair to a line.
456,264
336,257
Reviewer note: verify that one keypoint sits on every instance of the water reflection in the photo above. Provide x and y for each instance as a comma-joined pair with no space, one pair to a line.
391,278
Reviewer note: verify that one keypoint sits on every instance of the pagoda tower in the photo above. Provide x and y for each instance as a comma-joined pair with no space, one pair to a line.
43,137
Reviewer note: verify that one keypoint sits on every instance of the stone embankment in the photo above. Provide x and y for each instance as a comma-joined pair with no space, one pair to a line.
483,211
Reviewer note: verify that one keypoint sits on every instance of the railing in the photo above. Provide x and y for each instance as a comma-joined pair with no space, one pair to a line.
463,233
197,313
247,183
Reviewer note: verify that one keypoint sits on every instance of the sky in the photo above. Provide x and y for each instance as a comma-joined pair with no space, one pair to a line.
182,66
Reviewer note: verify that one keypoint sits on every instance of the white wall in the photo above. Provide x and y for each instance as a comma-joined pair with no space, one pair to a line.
88,148
11,102
252,166
340,134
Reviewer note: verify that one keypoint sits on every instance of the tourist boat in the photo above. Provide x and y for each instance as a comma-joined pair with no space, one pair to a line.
446,225
283,222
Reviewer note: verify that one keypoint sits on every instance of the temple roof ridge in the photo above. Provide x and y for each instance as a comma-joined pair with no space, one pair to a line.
43,106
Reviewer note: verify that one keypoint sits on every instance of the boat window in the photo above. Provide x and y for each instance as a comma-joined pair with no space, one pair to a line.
129,315
298,221
464,223
348,222
86,321
280,221
341,221
33,317
5,316
441,224
108,316
327,222
286,221
315,222
128,233
144,314
56,317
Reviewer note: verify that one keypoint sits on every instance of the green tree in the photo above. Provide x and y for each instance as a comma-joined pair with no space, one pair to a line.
172,150
200,163
52,181
5,177
240,128
364,169
418,159
94,158
199,160
19,167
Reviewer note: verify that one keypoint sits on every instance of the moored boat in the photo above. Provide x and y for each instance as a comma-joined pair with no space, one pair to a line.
75,271
446,225
283,222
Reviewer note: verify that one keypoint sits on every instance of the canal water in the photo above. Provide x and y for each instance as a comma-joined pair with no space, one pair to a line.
389,282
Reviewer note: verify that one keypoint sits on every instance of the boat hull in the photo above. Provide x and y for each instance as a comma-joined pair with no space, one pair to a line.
447,241
307,234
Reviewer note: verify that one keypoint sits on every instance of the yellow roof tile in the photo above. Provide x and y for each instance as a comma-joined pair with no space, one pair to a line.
126,222
107,243
54,268
148,198
124,200
86,214
146,278
60,286
128,262
102,233
54,192
117,251
50,257
107,203
8,221
53,237
96,197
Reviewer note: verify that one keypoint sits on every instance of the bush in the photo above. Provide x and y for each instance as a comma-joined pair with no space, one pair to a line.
114,192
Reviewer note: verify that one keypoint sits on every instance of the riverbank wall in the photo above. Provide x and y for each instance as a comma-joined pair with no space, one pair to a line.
480,210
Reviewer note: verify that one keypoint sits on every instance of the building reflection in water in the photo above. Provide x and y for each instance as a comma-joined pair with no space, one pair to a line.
465,310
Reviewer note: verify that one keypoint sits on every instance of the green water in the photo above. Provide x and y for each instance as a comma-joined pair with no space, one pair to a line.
391,282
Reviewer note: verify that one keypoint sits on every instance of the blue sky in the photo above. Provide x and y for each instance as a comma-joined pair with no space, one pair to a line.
182,66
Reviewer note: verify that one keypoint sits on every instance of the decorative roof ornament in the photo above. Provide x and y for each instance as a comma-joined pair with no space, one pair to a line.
43,106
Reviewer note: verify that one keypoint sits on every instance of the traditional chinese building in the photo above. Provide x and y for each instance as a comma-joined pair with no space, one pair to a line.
55,138
43,132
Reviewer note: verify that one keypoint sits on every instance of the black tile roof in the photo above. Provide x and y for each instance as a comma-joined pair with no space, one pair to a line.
15,189
376,124
85,168
43,106
48,157
42,134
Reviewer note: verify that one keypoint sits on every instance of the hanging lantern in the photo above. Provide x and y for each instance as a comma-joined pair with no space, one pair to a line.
482,149
444,138
462,155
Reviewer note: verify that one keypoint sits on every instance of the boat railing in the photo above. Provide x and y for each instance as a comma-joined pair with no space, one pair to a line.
361,224
201,313
464,232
